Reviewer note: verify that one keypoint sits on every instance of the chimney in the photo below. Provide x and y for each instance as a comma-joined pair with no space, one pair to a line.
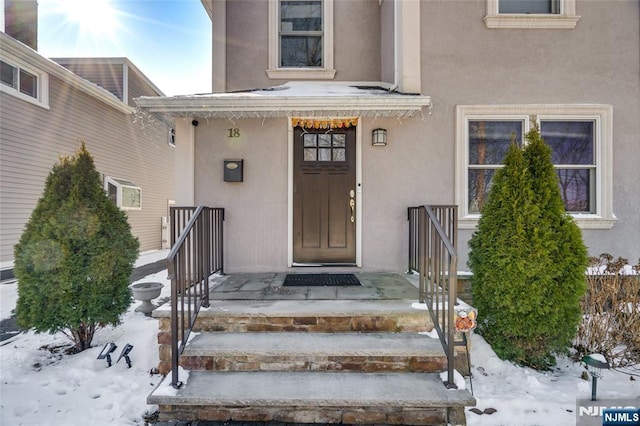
21,21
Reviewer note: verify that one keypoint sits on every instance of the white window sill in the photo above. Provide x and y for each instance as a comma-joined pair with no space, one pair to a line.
13,92
532,21
301,73
584,221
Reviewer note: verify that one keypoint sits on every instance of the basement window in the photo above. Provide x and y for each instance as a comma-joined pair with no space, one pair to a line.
125,194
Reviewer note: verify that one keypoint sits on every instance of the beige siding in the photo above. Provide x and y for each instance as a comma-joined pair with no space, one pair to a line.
33,138
138,87
109,76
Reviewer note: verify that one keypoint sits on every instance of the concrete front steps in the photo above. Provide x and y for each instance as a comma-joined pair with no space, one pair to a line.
321,361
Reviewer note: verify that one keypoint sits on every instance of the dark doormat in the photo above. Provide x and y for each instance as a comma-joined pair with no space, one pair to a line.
319,280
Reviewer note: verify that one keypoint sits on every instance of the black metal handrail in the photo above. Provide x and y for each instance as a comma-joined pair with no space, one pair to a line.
196,254
433,254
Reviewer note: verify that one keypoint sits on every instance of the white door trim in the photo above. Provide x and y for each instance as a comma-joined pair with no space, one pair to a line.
358,184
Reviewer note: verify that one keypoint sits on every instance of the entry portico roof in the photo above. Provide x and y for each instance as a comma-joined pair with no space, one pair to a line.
292,99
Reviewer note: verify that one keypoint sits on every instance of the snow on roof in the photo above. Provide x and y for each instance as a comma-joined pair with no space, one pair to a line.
313,90
293,98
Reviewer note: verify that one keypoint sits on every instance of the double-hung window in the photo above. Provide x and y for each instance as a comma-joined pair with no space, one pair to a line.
301,39
556,14
580,138
24,82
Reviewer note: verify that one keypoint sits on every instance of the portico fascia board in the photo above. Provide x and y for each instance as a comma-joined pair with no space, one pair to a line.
274,103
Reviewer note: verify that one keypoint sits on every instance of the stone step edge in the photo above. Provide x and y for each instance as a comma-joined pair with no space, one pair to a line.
303,308
313,344
288,389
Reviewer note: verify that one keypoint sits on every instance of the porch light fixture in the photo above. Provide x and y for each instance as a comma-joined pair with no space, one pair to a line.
379,137
595,364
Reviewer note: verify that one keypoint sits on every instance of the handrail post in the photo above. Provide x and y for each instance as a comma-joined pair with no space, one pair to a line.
190,264
437,264
453,285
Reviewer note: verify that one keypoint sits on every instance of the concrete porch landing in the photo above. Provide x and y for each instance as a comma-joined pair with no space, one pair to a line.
269,286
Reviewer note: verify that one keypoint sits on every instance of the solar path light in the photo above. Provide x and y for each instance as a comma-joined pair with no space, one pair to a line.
595,364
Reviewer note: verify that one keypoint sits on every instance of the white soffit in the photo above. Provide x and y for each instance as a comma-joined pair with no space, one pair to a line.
291,99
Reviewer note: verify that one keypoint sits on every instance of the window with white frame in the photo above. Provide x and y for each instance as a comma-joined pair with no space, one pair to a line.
580,138
555,14
125,194
301,39
24,82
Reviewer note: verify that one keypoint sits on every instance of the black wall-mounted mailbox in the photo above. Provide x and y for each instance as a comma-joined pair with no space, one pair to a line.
233,170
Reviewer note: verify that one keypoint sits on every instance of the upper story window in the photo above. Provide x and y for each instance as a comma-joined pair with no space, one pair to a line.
580,139
555,14
24,82
301,39
300,34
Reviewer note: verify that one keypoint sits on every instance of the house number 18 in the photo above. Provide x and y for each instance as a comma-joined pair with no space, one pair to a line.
233,133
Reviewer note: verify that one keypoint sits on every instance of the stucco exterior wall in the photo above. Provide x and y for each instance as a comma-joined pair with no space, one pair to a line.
357,41
255,209
256,222
463,63
387,45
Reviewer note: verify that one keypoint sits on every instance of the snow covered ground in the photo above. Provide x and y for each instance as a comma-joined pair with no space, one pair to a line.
38,387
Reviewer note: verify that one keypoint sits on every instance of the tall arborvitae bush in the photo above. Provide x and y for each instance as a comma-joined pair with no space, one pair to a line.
75,256
528,261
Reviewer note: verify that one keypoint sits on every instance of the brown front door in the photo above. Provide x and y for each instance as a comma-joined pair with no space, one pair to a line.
324,185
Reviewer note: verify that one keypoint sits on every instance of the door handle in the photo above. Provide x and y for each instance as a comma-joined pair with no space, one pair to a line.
352,204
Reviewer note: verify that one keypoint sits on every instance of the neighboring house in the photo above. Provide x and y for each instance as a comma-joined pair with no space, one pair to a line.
46,110
447,83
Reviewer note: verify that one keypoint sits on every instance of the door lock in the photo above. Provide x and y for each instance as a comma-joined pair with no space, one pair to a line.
352,204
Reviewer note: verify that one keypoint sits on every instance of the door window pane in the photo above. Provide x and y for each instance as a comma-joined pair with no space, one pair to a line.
324,140
309,139
339,154
326,147
310,154
324,154
339,139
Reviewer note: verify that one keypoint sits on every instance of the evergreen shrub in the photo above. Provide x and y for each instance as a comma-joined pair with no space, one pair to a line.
528,261
75,256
